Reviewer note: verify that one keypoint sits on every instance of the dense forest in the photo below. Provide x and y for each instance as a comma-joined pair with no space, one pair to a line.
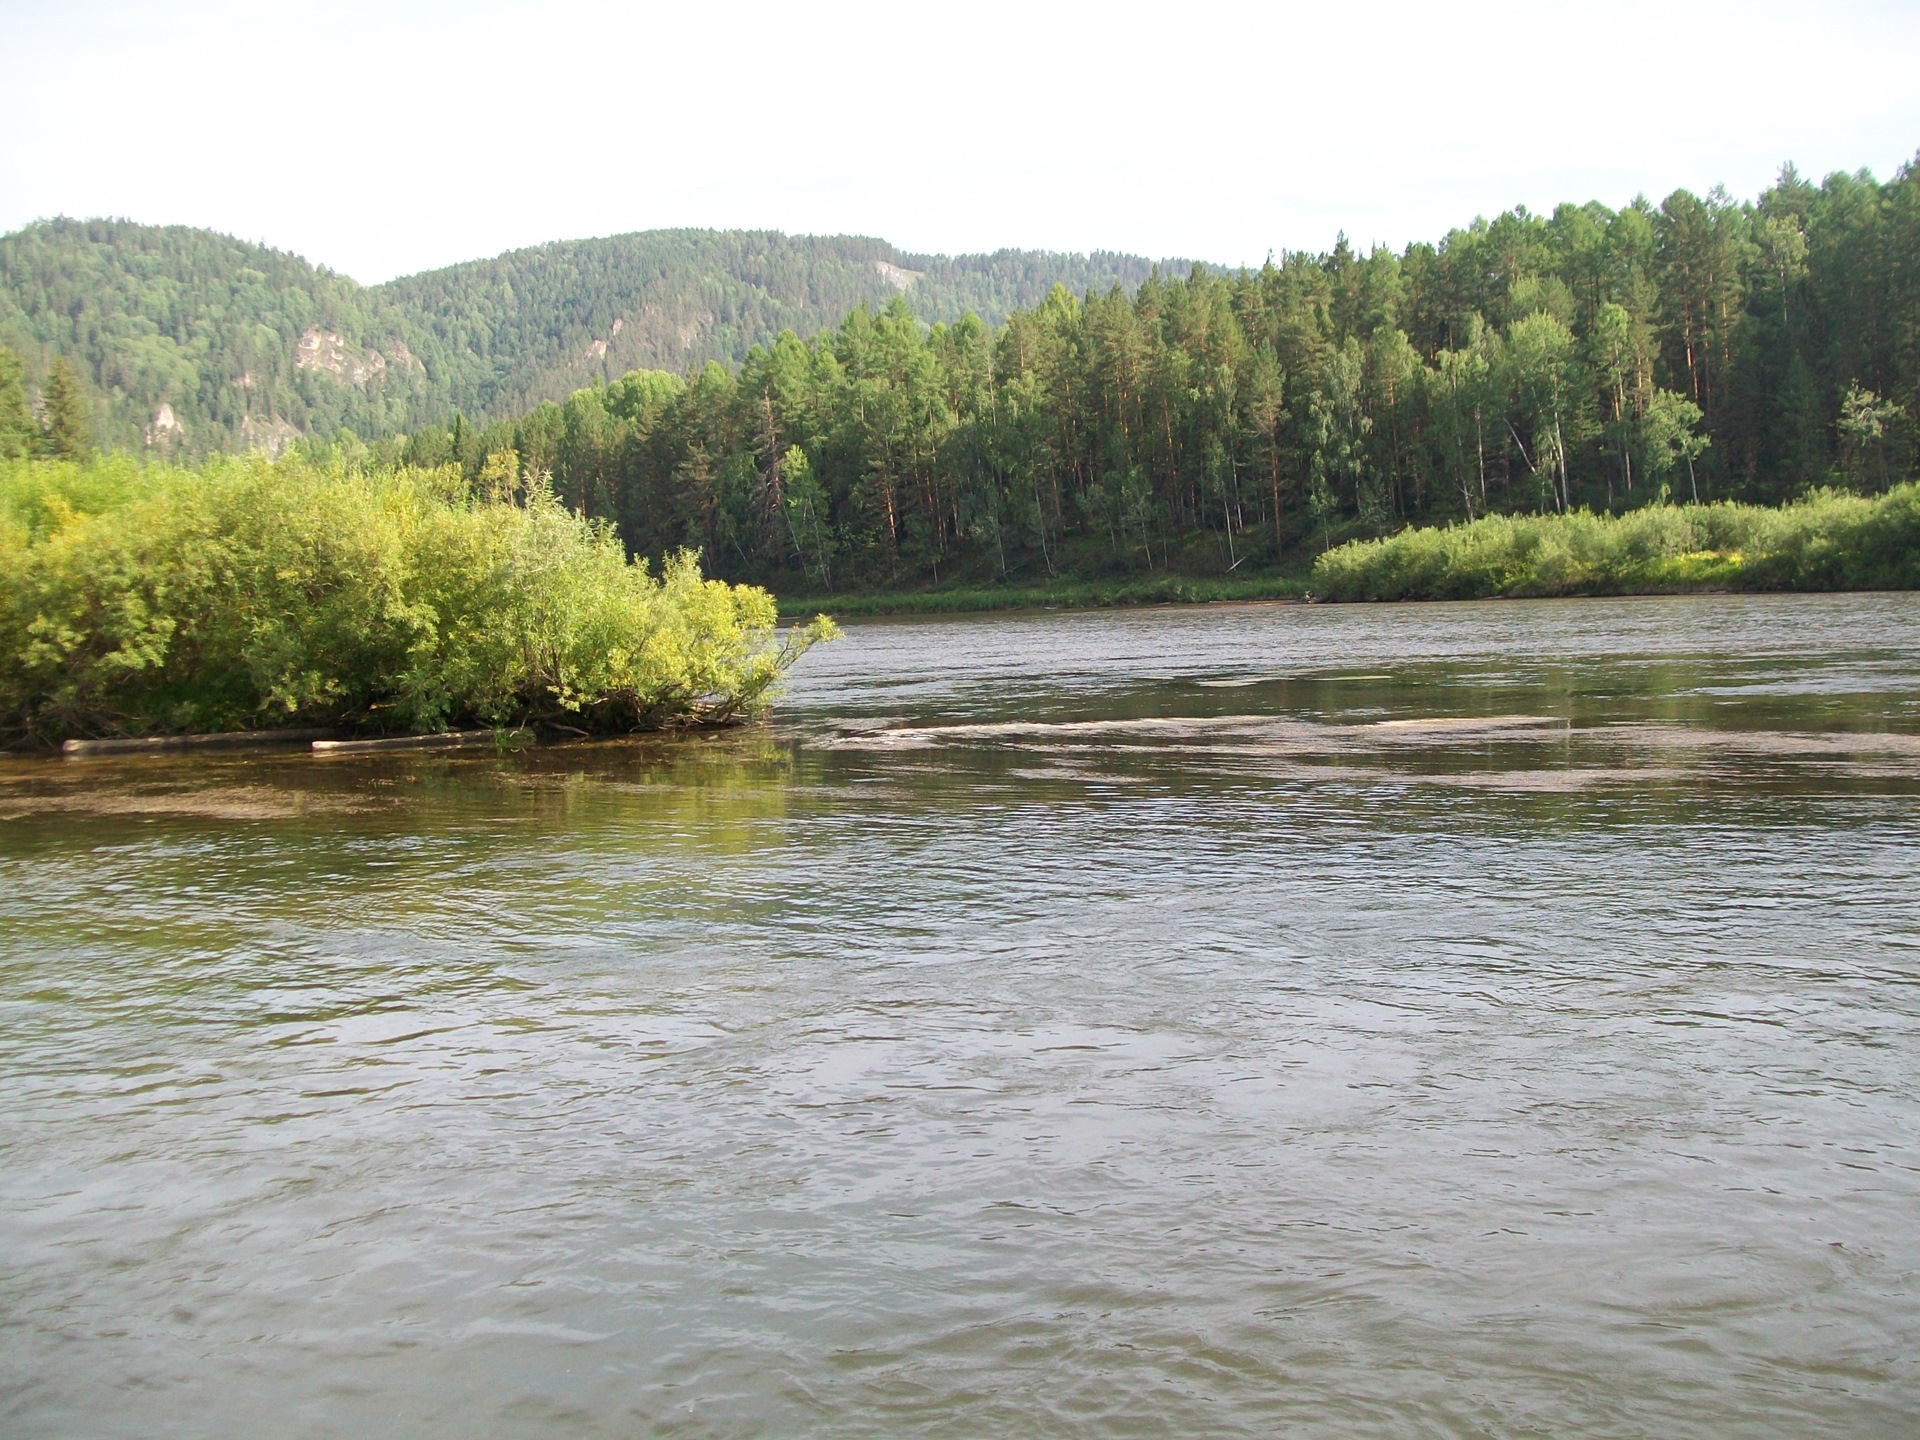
533,325
191,342
1700,349
1199,421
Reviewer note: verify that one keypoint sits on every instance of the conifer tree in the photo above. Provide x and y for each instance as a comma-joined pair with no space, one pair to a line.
17,433
66,426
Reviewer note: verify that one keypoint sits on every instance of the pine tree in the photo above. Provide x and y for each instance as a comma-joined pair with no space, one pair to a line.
17,433
66,426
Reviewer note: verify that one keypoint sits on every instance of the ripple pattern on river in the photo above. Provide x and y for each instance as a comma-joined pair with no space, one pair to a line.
769,1087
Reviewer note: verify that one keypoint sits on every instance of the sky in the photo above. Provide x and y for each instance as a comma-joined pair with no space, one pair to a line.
385,138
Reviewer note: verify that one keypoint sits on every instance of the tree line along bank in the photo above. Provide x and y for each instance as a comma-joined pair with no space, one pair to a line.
1221,422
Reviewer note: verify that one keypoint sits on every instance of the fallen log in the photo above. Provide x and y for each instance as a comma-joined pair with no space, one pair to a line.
444,740
221,740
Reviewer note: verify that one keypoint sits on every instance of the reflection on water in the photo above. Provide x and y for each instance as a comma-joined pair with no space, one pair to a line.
1466,1020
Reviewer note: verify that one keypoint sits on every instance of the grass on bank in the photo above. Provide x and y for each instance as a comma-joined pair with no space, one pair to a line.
1829,541
1062,594
247,594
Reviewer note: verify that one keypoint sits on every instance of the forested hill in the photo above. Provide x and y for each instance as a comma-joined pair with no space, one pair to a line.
191,341
1698,349
536,324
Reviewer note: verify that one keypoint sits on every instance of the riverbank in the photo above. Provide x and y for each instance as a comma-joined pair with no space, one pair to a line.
1060,595
1827,541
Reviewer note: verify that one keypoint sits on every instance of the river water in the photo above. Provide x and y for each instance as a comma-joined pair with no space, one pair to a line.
1325,1021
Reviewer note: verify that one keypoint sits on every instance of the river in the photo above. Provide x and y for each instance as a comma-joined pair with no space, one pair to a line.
1478,1020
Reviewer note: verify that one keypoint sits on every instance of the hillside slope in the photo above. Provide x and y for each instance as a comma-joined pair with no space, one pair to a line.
198,341
194,341
536,324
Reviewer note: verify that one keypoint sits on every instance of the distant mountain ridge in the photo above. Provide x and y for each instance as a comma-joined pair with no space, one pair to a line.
195,341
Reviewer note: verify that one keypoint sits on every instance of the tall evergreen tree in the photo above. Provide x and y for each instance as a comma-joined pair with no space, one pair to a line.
66,419
18,435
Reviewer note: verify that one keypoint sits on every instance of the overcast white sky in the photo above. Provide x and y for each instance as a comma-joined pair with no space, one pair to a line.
382,138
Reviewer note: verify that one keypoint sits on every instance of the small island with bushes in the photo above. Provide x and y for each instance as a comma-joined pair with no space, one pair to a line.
247,594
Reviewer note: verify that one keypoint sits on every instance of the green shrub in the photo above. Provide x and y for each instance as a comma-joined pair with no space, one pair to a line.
247,593
1829,541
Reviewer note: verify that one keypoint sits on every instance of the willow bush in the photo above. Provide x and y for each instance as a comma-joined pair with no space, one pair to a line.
1828,541
247,593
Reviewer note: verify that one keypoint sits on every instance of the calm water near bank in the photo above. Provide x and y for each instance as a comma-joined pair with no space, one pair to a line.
1489,1019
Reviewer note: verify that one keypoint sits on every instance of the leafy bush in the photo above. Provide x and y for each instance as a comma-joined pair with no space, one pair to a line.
1829,541
248,593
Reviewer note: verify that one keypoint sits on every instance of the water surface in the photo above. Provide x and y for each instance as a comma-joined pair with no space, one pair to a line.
1469,1020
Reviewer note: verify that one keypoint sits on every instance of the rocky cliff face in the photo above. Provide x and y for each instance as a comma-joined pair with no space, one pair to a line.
165,429
323,350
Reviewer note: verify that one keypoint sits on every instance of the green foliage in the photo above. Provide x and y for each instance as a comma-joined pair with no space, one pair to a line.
240,341
212,328
247,593
1222,423
1088,418
1868,429
1829,541
535,324
18,433
65,419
